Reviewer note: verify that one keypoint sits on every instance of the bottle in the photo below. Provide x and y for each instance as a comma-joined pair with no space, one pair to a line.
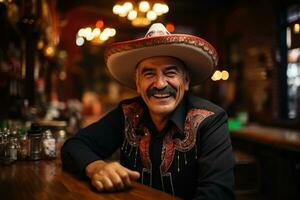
11,146
2,145
6,135
49,145
23,142
35,142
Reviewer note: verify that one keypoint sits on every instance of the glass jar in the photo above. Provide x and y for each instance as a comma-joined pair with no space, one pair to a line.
61,138
10,145
35,142
49,145
13,147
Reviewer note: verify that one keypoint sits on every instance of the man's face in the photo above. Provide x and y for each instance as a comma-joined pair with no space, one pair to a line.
161,82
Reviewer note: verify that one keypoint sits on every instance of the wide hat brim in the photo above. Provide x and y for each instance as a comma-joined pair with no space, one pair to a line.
199,56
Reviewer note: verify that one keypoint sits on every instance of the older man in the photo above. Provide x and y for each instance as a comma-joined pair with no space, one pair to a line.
168,139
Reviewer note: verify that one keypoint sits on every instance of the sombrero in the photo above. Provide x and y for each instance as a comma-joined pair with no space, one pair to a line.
199,56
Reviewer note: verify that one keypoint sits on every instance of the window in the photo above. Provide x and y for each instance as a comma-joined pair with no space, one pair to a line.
293,61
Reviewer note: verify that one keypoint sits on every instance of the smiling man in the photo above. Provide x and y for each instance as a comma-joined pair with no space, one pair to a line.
161,82
168,139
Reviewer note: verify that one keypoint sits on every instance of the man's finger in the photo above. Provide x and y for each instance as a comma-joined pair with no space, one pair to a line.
98,185
107,183
133,175
123,173
116,180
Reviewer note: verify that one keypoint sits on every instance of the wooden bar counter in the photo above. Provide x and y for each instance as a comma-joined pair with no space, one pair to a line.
45,180
277,152
277,137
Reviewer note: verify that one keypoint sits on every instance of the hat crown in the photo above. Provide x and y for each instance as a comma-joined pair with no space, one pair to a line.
157,29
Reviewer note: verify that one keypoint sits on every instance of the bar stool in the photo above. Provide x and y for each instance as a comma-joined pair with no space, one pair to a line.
247,173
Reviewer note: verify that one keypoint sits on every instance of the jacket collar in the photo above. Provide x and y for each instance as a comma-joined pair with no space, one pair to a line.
177,117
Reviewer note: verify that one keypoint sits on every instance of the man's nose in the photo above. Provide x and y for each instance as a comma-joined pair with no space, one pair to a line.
160,82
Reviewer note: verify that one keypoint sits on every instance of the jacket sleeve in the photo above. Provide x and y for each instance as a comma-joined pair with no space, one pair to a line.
98,141
215,161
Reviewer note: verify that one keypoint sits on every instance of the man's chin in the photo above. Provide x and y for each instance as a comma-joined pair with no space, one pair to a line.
162,101
162,109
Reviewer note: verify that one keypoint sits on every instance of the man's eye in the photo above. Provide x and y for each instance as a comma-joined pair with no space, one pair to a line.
148,74
171,73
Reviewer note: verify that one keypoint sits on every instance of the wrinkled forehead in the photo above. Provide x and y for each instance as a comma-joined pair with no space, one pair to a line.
161,61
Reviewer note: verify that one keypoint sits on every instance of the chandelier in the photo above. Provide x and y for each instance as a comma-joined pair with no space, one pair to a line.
96,35
141,13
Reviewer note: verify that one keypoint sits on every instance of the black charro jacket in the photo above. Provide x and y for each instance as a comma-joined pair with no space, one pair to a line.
190,158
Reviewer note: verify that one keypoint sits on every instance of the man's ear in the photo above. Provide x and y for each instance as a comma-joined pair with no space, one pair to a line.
136,81
188,80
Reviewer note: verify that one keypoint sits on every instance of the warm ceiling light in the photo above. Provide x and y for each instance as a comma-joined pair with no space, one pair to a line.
95,34
132,15
218,75
99,24
123,12
144,6
49,51
151,15
128,6
104,37
297,28
141,13
40,44
112,32
160,8
141,22
170,27
225,75
116,9
79,41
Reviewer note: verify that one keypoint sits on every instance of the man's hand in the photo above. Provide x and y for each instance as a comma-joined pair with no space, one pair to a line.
110,176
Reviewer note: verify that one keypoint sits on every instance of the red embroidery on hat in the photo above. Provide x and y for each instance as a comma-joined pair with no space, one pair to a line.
162,40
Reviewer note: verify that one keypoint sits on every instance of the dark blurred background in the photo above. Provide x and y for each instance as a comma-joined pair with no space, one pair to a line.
254,40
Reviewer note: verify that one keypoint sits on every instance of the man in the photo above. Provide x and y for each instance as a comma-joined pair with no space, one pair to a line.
168,139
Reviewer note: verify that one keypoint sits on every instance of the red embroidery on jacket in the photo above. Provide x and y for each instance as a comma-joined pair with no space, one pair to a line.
167,153
132,113
193,119
144,149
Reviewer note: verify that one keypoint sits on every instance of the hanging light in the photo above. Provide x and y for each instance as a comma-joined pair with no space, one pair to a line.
170,27
96,35
296,28
140,13
220,75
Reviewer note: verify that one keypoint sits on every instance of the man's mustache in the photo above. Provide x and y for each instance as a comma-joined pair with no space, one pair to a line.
167,89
